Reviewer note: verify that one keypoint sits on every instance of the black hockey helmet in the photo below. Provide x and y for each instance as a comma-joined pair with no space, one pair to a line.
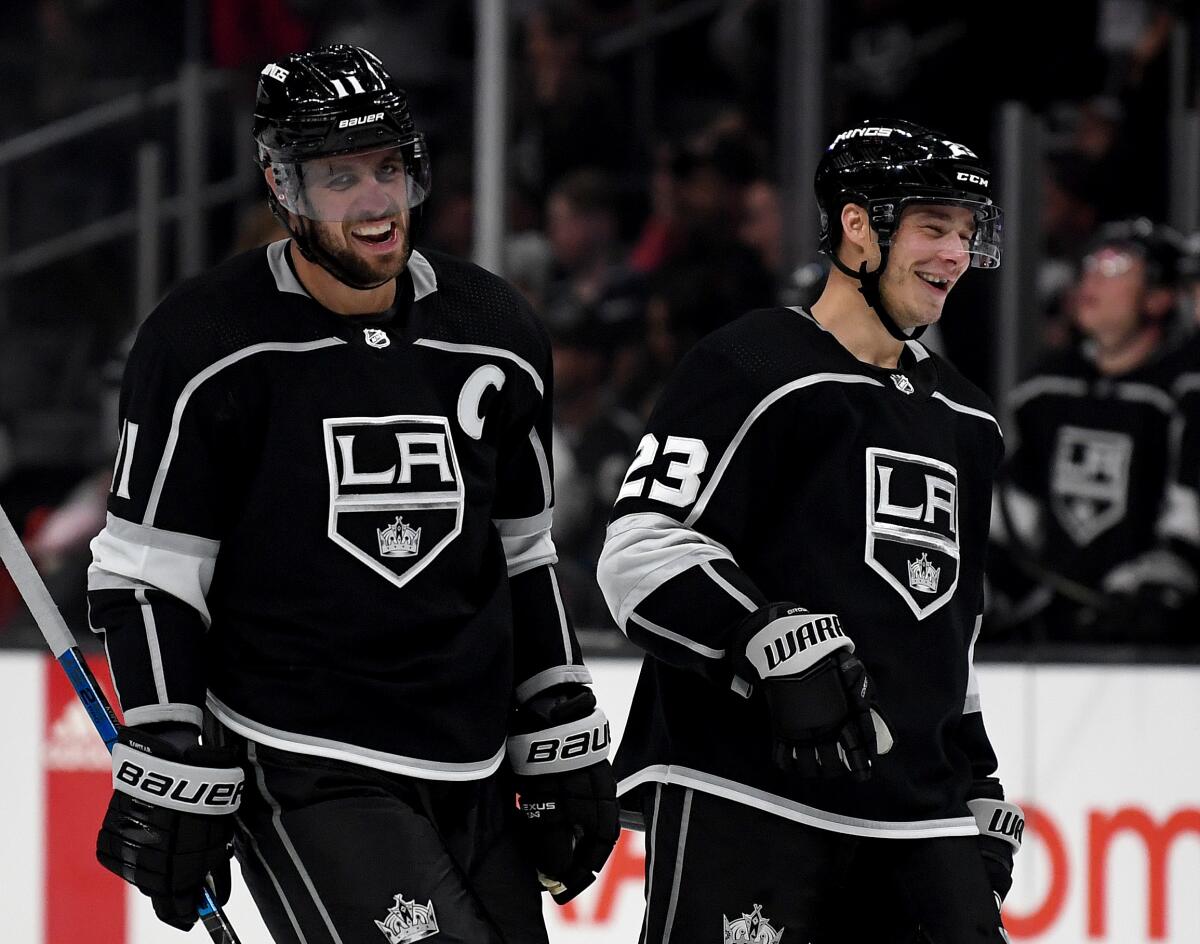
1162,249
884,166
331,101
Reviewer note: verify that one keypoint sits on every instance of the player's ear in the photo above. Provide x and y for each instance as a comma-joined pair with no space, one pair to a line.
856,227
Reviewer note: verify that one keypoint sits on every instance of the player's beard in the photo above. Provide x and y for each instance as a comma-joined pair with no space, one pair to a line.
354,270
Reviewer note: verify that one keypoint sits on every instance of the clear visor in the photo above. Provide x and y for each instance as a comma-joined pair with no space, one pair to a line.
367,185
985,225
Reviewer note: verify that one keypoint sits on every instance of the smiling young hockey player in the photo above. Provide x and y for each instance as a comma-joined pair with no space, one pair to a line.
329,543
801,536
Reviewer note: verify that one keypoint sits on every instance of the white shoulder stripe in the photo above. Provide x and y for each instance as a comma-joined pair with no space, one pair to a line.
1186,383
762,407
487,351
969,410
1144,393
1040,386
191,387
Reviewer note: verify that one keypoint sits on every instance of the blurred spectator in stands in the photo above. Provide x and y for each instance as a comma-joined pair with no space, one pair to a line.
594,442
446,222
1069,217
761,229
566,110
1075,516
688,299
428,47
528,264
592,282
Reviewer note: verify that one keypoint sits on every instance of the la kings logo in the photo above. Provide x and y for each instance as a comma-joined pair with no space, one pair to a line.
1089,485
912,527
395,491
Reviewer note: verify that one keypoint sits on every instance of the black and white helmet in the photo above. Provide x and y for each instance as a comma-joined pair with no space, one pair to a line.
334,101
885,166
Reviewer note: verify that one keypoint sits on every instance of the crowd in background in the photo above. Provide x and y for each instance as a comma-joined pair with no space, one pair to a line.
630,248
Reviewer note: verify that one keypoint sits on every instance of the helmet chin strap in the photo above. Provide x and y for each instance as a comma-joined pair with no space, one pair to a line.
868,287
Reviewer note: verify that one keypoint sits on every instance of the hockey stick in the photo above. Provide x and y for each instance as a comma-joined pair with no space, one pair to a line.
49,620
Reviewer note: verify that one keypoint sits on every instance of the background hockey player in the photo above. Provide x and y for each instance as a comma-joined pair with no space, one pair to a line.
1080,558
801,535
329,539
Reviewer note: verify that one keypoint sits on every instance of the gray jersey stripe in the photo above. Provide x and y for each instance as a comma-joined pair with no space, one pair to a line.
729,588
189,544
968,410
487,351
277,821
152,645
423,277
352,753
257,850
759,410
667,634
562,618
192,385
679,851
793,811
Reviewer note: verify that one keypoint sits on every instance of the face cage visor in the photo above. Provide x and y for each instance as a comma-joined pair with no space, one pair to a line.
984,245
356,187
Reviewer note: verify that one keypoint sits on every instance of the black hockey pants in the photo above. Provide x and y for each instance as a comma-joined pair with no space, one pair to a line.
718,870
337,853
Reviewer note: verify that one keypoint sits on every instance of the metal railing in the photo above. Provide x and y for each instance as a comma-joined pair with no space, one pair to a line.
194,196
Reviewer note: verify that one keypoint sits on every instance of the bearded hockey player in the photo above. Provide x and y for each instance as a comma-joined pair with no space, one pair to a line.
328,544
1089,456
799,546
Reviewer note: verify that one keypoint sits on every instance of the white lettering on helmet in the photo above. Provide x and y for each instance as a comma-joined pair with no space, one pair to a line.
360,120
972,178
275,72
867,133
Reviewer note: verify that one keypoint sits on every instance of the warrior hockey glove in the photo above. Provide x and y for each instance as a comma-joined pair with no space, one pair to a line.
821,700
1001,826
170,821
568,797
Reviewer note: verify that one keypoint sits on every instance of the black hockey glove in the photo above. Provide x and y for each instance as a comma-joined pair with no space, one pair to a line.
821,700
1001,826
170,821
568,797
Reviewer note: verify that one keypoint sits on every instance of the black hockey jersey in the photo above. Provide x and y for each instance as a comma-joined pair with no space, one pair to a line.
778,467
336,530
1085,480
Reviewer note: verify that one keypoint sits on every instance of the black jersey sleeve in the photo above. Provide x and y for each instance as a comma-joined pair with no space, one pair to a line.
970,734
154,560
668,571
546,651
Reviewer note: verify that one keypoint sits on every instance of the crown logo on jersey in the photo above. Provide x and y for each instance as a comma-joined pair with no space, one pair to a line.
903,384
398,539
922,575
751,928
407,921
376,337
